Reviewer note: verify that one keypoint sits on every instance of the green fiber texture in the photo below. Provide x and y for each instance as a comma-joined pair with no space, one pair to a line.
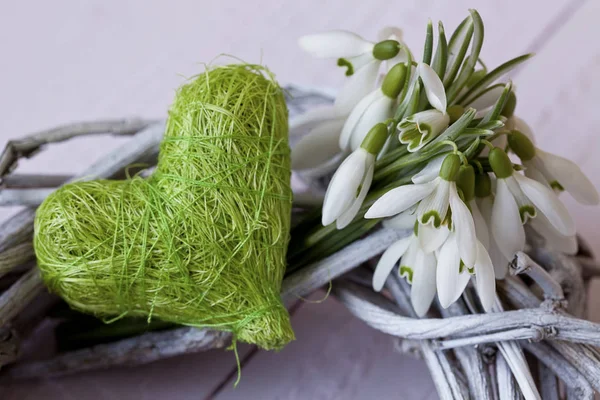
203,241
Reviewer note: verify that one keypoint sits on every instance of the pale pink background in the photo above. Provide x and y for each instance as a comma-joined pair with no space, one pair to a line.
67,60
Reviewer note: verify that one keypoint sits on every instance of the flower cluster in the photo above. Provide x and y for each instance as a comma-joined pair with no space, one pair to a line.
435,147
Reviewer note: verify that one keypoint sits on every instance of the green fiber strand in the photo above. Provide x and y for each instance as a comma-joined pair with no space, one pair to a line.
203,241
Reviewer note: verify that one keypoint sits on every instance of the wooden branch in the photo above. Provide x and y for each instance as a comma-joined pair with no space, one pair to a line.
143,349
297,285
507,386
372,310
15,256
29,145
19,295
548,383
31,181
522,263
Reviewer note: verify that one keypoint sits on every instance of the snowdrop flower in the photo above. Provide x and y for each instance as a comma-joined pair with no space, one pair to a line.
517,199
375,107
352,180
452,277
552,170
484,201
420,128
416,266
430,171
435,198
361,57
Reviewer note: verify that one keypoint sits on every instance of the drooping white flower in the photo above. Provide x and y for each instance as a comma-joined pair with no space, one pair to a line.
352,180
434,88
452,276
430,171
552,170
363,59
374,108
517,199
435,198
418,267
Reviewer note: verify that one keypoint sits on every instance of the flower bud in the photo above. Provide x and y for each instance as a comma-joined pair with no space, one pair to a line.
466,182
510,105
450,167
394,81
386,50
500,163
375,139
483,185
521,145
455,112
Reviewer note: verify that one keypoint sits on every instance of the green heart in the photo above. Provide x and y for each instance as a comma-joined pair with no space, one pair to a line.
203,241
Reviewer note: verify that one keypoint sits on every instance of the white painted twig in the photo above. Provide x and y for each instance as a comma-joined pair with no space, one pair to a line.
19,295
507,386
360,303
15,256
31,144
300,283
548,383
522,263
31,181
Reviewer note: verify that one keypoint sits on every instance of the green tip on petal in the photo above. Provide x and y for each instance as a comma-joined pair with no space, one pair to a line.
483,185
510,105
386,50
426,217
557,186
455,112
394,81
342,62
375,139
450,167
501,164
406,273
521,145
466,182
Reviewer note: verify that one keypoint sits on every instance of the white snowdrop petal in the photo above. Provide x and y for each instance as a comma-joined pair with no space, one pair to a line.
487,99
547,203
431,238
404,220
387,261
570,176
347,216
485,278
354,117
464,226
434,88
554,240
481,228
378,111
450,282
520,125
507,229
436,203
430,171
390,33
533,172
357,87
341,191
500,262
422,292
399,199
318,147
334,44
313,117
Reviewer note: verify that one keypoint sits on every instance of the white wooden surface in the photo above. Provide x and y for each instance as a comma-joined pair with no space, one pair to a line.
66,60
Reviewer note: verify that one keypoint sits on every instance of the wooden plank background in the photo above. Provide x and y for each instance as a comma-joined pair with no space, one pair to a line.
68,60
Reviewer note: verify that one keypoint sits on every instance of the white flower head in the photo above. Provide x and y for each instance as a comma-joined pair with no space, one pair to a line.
519,198
362,58
374,108
416,266
421,128
352,180
552,170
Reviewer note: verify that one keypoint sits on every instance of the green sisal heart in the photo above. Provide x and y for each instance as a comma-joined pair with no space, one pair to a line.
203,241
